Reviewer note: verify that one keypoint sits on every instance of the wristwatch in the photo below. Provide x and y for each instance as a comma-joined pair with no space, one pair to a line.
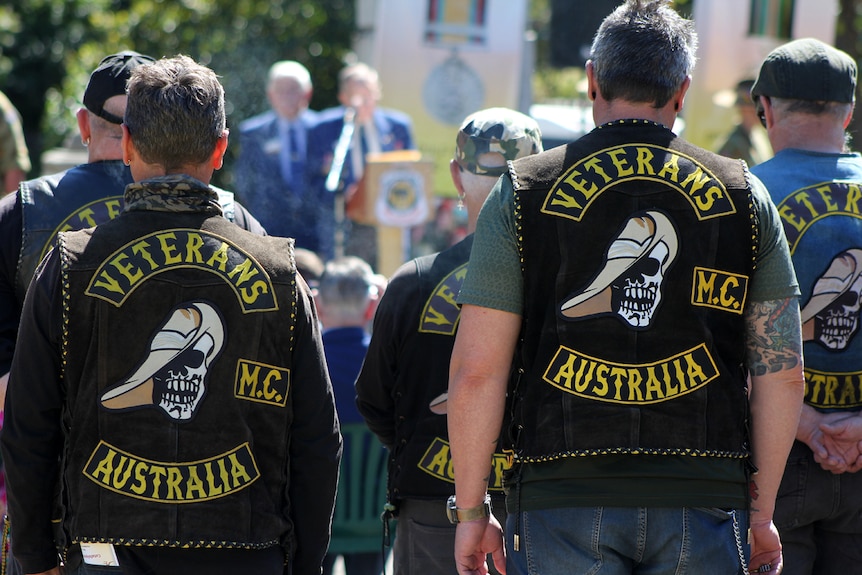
457,515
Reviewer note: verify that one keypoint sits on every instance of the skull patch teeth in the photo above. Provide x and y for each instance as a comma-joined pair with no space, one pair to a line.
837,328
181,395
637,301
638,293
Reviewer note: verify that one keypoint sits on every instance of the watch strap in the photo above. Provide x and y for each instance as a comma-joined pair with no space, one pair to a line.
459,515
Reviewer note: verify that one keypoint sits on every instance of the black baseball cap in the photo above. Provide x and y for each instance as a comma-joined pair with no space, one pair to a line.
109,79
807,69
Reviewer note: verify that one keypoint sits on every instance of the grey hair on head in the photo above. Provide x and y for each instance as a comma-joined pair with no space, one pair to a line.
643,52
175,112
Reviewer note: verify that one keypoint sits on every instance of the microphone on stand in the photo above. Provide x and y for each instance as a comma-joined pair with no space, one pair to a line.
333,178
341,149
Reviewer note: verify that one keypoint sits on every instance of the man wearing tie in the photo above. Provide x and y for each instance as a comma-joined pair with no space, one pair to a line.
270,172
376,130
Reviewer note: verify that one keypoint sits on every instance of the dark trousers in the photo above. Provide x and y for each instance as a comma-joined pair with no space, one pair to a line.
425,540
819,517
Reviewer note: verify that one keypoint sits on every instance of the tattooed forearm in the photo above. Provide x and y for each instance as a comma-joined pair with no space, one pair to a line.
773,336
753,495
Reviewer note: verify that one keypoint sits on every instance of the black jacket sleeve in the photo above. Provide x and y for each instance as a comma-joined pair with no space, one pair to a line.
377,384
10,307
315,444
32,436
244,219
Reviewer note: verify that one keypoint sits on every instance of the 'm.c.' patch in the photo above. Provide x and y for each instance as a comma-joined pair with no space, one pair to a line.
172,482
601,380
128,267
262,383
574,191
442,312
719,290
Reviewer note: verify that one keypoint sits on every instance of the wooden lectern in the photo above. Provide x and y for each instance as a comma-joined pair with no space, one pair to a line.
394,194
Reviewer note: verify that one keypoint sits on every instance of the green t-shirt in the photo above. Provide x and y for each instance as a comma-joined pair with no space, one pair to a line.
494,281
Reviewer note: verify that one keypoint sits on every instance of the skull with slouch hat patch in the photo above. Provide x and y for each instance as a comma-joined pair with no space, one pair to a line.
630,282
173,375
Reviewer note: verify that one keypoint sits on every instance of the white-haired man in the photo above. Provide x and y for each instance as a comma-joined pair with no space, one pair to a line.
270,171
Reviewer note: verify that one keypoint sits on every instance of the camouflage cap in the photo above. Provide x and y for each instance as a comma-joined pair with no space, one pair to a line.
489,138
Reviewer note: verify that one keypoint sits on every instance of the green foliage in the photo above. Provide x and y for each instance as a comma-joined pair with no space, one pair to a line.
684,7
49,47
36,41
551,83
558,83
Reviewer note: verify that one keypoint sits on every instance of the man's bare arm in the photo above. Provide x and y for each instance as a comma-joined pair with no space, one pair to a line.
774,360
478,378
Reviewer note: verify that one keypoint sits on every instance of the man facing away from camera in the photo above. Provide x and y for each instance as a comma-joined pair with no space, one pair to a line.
80,197
638,282
805,93
169,409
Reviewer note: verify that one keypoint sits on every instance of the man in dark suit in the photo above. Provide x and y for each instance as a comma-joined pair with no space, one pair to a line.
270,172
376,130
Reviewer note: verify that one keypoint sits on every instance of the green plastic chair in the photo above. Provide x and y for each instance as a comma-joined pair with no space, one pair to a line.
357,526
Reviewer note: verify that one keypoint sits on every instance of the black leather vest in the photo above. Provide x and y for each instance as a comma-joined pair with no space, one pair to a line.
81,197
637,250
421,462
178,375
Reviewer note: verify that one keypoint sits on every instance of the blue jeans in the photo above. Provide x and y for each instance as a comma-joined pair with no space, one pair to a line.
628,540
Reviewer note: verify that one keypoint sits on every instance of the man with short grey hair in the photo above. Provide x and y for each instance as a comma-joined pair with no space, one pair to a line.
805,94
374,130
622,292
346,298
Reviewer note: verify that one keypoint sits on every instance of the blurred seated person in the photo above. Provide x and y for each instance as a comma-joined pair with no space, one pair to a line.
346,298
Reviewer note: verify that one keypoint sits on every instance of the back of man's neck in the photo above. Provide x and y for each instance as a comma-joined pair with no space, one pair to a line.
824,141
605,111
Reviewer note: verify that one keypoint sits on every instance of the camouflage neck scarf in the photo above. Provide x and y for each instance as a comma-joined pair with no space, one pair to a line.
172,193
